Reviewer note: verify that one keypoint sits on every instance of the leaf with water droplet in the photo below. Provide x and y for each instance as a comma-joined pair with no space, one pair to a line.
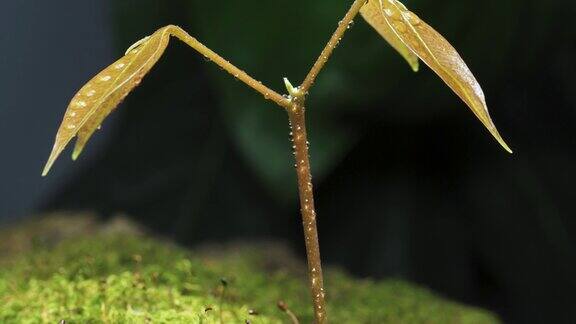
96,100
372,13
441,57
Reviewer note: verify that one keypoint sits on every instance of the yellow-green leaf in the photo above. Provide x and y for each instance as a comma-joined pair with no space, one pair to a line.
440,56
94,102
372,13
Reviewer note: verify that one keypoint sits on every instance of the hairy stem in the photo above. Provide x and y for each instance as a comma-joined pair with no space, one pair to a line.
268,93
343,25
295,106
296,114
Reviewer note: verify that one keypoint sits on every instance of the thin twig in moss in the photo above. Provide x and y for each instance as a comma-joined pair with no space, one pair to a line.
224,284
284,307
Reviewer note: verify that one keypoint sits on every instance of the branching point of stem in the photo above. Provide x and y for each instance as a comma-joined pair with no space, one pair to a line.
294,92
294,105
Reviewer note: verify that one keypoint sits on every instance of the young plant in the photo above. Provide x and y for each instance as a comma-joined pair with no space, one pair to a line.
402,29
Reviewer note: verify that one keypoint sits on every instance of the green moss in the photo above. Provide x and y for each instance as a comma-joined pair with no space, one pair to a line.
133,279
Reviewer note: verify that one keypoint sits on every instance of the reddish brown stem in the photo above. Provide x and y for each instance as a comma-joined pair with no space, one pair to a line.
295,106
268,93
343,25
296,113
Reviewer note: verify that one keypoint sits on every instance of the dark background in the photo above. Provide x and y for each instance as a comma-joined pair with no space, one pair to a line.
408,182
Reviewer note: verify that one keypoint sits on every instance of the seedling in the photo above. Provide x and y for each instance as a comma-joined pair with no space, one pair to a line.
224,284
283,307
403,30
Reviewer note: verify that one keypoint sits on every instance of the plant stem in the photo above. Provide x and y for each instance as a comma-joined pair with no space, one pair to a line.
268,93
283,307
343,25
295,106
297,118
296,114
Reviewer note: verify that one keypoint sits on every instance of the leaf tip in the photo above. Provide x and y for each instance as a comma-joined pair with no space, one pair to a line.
415,65
77,150
500,140
48,166
56,150
505,146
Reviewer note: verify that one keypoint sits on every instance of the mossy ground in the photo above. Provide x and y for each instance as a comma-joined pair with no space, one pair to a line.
123,277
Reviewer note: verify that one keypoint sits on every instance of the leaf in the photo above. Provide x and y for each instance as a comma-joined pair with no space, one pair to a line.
440,56
96,100
372,13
